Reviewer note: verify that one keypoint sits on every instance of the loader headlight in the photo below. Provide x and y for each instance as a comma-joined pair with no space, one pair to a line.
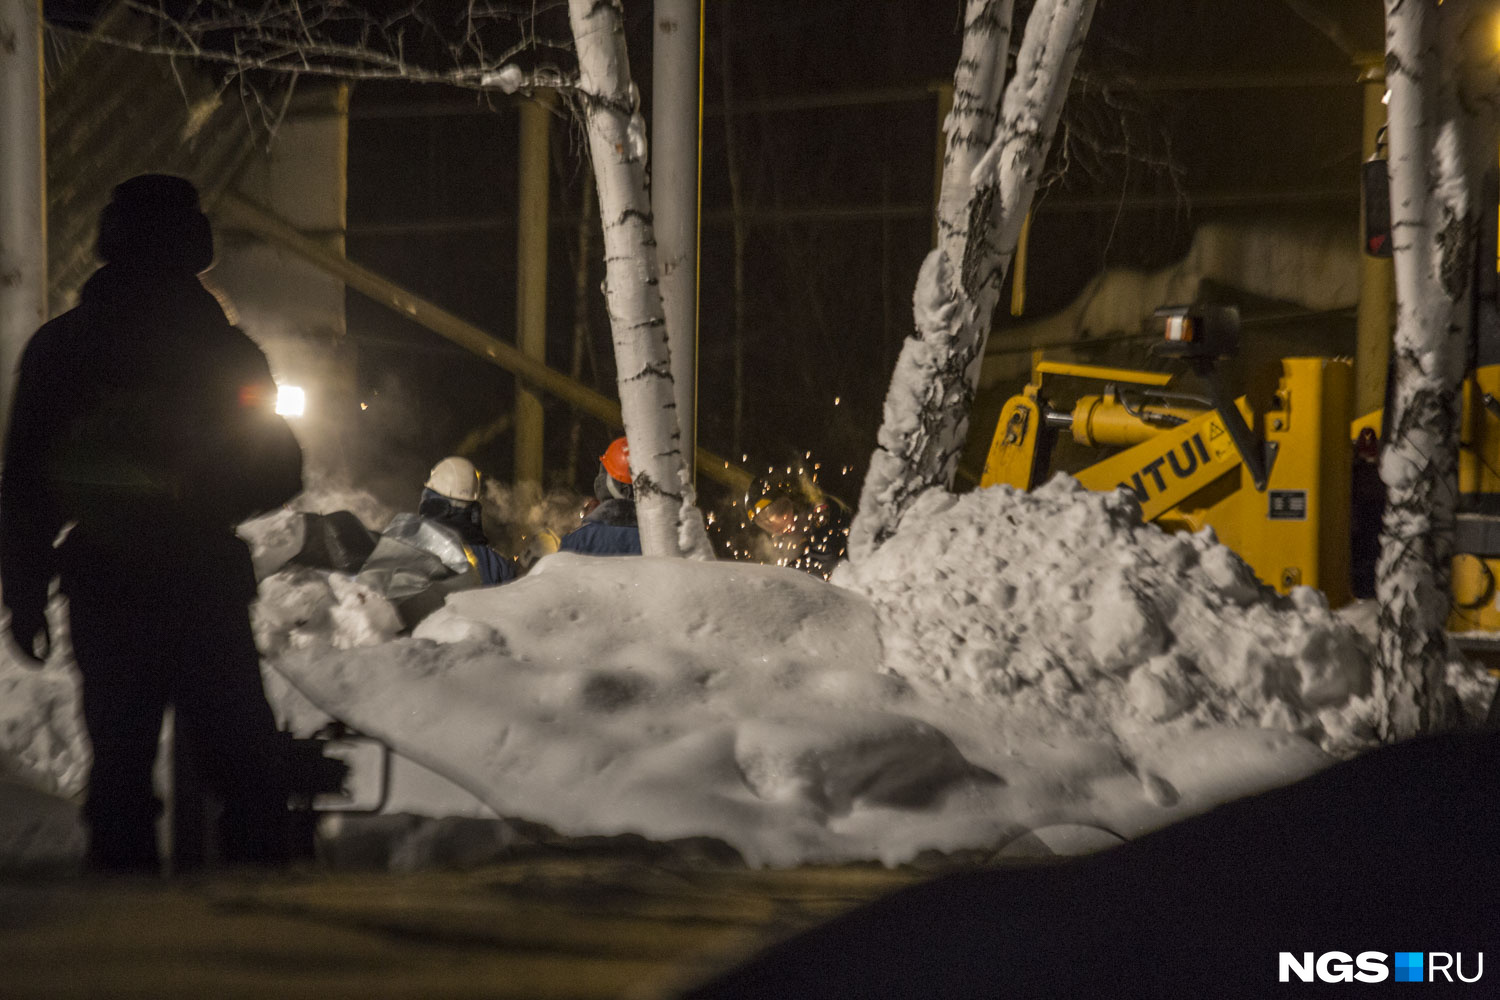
291,401
1182,329
1202,331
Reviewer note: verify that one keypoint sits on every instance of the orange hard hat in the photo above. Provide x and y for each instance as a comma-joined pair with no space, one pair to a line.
616,459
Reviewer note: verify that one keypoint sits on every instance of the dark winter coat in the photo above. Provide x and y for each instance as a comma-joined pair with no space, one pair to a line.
147,420
464,521
609,530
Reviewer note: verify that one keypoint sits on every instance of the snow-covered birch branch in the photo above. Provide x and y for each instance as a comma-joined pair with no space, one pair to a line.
993,161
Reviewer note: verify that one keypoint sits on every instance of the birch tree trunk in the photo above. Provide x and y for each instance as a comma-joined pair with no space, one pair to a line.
669,520
1433,224
995,153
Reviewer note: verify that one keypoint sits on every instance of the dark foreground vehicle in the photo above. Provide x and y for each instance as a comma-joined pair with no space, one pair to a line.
1397,851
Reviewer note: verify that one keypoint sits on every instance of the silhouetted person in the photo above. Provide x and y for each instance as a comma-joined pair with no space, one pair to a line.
144,424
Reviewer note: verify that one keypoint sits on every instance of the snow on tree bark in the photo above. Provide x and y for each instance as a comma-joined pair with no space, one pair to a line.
994,157
1433,227
669,520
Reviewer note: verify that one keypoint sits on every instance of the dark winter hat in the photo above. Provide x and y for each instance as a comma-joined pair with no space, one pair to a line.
155,220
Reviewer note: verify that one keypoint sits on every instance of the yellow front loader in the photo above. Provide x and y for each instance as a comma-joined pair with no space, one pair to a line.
1275,486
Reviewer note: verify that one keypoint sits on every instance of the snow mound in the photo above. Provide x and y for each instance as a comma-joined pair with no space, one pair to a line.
41,734
38,831
663,697
672,699
1006,663
301,607
1061,606
618,613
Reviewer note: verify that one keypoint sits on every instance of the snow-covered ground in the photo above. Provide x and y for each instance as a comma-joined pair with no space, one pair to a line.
1006,662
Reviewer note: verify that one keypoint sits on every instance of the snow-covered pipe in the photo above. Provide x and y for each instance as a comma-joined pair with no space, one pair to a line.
674,194
23,187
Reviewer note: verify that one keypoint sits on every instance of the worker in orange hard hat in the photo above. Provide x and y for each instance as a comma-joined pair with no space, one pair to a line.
610,528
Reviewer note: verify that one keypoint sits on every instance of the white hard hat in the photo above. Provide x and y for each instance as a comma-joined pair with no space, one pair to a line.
455,478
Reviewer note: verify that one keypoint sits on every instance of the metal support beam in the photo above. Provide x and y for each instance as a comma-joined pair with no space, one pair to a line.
23,188
674,196
531,279
235,212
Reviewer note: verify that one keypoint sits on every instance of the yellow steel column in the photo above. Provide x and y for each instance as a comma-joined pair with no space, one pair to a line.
1018,269
1376,278
531,279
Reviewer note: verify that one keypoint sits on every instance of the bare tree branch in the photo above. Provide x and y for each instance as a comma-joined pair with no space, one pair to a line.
341,39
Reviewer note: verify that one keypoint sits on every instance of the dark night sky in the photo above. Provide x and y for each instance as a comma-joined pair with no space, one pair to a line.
827,300
827,297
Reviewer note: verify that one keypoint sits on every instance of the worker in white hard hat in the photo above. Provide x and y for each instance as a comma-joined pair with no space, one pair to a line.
454,478
450,498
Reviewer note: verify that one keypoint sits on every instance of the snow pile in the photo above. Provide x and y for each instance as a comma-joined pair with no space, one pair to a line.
44,757
37,830
1061,608
675,699
301,607
1007,665
664,697
41,733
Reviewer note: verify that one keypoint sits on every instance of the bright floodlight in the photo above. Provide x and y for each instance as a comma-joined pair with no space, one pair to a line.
291,401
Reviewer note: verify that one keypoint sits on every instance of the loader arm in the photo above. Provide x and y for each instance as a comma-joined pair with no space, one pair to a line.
1280,497
1170,467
